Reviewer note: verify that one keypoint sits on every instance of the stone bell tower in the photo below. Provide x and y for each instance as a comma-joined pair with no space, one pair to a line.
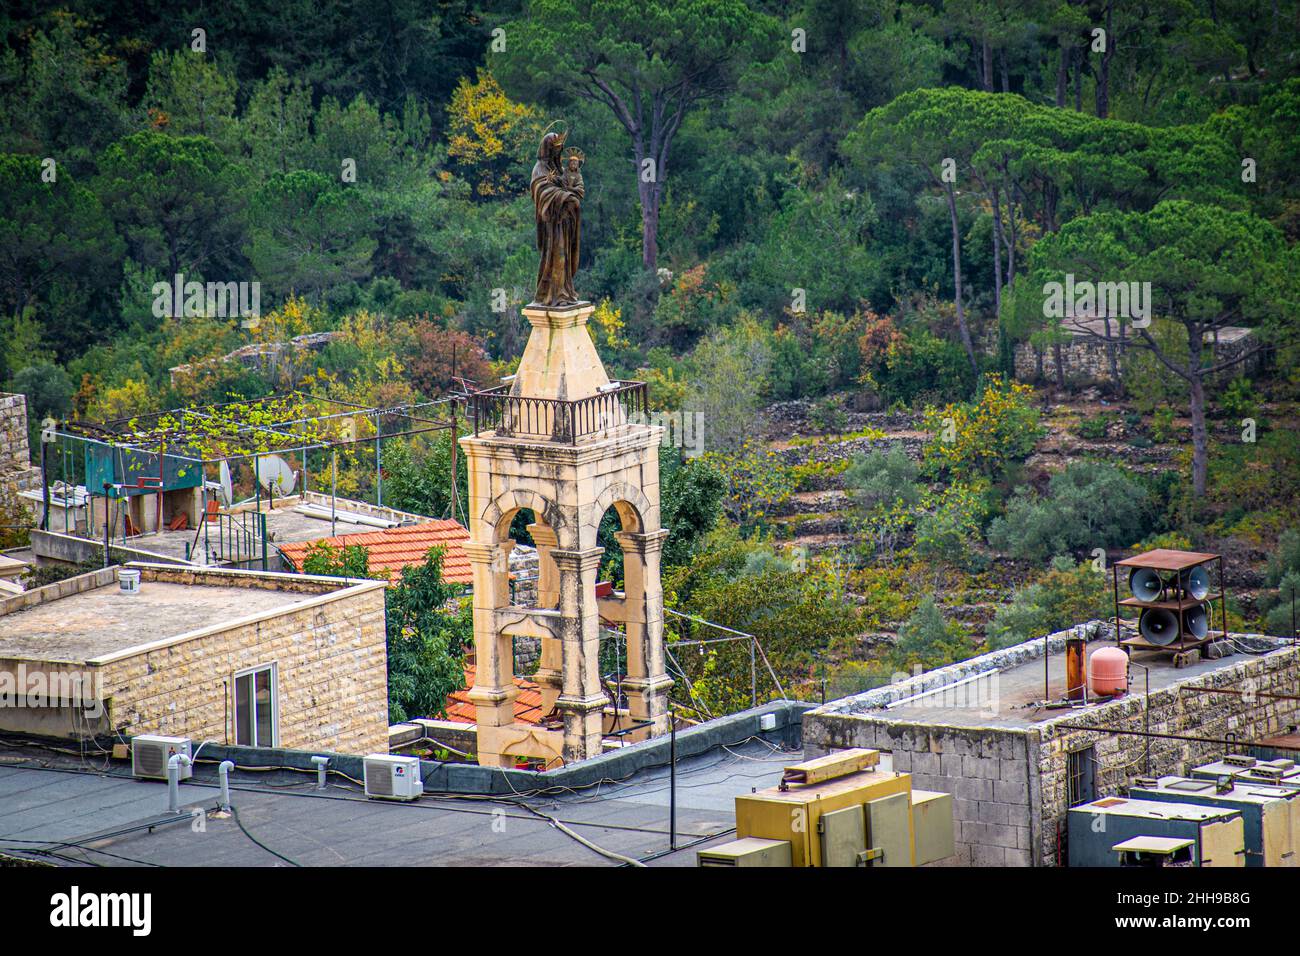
563,442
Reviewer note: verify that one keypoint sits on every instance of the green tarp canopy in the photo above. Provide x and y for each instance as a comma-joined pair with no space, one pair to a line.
121,466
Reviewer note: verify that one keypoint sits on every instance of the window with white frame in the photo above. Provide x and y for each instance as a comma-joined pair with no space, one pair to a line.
256,707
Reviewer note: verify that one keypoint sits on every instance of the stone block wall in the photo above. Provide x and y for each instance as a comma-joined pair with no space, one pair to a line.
1010,787
16,471
1175,710
14,453
330,657
986,770
1086,360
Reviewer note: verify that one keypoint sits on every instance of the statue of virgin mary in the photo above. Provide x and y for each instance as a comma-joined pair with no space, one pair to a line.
559,224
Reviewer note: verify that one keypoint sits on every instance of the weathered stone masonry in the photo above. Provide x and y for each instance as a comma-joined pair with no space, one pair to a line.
1009,783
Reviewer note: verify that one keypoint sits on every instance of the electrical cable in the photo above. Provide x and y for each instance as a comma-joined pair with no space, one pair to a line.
234,812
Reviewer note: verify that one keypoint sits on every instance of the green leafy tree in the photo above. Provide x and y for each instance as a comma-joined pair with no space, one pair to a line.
651,64
58,252
310,233
1068,594
690,503
417,476
427,638
728,376
797,615
428,628
189,95
178,201
1208,268
347,561
928,640
984,438
72,102
276,124
883,478
886,492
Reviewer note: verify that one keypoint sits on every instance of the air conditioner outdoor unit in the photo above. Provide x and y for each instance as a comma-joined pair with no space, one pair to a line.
150,753
392,777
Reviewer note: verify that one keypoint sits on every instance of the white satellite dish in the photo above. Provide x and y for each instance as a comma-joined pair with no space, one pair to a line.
275,476
227,492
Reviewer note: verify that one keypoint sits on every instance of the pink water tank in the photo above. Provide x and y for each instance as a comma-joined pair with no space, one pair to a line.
1108,667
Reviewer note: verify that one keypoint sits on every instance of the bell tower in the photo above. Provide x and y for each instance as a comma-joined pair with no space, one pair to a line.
565,443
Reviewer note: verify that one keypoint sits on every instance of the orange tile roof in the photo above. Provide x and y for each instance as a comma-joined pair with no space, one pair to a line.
392,549
528,701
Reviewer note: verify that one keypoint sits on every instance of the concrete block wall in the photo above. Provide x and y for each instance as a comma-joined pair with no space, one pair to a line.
987,771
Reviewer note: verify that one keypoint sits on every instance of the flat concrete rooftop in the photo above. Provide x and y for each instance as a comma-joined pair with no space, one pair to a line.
55,807
1013,696
80,627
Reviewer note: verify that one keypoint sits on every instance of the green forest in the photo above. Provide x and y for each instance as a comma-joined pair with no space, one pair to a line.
828,228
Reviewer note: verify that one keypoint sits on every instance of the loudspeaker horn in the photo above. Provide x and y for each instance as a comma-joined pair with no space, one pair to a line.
1146,584
1196,622
1196,582
1158,626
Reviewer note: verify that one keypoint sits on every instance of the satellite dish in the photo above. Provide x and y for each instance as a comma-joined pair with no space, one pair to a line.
227,492
275,476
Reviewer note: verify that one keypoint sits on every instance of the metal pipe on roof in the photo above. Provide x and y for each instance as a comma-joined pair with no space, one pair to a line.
321,763
223,771
174,781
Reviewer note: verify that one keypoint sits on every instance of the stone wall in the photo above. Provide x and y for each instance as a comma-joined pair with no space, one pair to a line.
329,651
1009,785
14,453
16,471
331,661
1175,710
1086,360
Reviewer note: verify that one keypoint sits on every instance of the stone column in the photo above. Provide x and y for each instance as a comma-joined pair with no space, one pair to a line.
647,681
549,672
493,692
582,700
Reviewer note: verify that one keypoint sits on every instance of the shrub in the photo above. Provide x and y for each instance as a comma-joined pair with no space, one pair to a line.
882,478
1277,622
1088,505
953,519
1239,400
1286,558
1162,425
927,639
1096,427
1068,594
920,366
986,437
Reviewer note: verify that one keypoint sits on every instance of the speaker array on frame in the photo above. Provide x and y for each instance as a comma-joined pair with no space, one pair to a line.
1161,626
1158,626
1147,584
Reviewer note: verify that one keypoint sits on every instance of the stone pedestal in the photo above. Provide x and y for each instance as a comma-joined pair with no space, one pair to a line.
560,359
567,478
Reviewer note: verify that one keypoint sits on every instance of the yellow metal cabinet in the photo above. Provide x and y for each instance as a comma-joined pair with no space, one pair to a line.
932,823
795,814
